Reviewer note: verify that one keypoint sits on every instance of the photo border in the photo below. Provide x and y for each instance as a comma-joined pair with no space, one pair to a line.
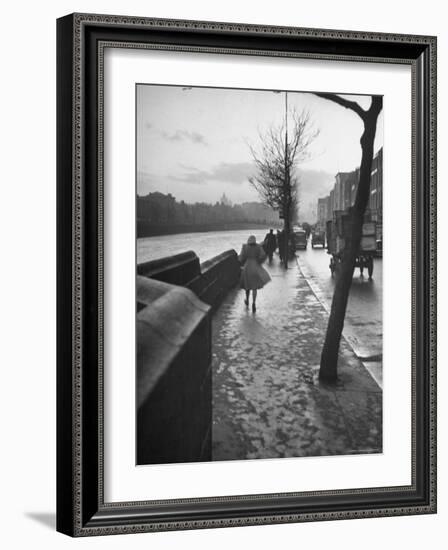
81,39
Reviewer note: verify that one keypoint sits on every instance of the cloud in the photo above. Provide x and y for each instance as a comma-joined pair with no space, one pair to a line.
145,182
226,172
315,182
185,135
313,185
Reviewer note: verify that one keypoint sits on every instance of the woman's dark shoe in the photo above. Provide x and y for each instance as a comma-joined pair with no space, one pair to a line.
246,302
254,309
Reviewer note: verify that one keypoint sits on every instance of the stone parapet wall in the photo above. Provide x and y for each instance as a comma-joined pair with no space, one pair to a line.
175,299
173,375
218,275
210,281
178,269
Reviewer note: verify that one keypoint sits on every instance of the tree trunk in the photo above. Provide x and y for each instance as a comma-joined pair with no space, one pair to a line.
287,219
330,351
286,229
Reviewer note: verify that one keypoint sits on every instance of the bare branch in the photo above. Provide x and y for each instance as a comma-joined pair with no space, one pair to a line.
352,105
275,161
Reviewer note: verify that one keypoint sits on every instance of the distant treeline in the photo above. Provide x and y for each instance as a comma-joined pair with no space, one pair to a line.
159,214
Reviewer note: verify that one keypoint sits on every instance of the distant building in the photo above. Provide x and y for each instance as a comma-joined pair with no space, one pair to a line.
376,188
342,189
354,186
225,201
323,211
343,194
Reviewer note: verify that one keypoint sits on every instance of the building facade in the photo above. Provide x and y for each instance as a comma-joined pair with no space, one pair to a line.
343,194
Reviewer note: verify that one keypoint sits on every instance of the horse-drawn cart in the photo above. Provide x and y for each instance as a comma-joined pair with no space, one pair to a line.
337,232
318,237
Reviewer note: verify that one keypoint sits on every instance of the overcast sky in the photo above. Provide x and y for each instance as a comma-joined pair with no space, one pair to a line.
193,142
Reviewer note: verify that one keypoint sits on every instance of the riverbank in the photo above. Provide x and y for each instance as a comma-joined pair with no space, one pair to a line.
148,230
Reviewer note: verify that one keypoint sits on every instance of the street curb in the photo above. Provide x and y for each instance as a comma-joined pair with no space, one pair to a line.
348,333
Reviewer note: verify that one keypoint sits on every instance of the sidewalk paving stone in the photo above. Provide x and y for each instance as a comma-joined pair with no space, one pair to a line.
267,400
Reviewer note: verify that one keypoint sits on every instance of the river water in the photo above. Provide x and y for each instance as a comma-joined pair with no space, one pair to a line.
205,245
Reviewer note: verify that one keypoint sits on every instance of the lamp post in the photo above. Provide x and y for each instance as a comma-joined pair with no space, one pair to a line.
287,191
286,195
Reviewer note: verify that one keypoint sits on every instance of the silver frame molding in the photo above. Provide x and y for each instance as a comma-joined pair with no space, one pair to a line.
82,38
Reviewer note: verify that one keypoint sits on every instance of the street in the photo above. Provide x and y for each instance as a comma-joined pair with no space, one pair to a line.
363,320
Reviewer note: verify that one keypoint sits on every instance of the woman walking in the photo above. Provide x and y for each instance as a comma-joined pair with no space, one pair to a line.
253,275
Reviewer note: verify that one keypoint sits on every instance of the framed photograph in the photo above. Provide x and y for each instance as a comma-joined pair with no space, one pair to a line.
246,274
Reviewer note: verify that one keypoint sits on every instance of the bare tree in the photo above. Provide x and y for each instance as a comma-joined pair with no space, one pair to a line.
330,351
279,154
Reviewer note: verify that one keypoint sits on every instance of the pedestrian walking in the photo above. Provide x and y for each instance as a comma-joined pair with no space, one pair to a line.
279,244
270,244
253,274
282,245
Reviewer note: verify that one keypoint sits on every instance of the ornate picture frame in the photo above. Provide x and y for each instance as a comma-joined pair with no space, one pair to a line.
81,506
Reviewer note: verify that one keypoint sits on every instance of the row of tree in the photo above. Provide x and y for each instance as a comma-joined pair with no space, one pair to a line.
159,209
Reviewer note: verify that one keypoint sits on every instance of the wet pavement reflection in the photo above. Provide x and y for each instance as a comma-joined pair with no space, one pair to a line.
363,326
267,401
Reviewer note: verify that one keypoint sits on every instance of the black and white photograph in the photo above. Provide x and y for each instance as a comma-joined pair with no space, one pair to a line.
221,303
259,231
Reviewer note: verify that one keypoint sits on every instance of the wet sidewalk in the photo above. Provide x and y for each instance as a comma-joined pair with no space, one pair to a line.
267,400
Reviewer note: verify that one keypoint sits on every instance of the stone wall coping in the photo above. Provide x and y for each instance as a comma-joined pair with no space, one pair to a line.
170,318
217,259
153,267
